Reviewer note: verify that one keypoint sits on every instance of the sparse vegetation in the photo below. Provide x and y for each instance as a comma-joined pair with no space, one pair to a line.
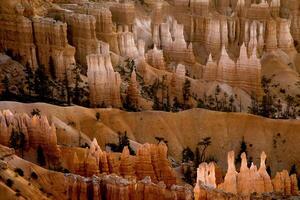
272,106
123,141
219,102
189,157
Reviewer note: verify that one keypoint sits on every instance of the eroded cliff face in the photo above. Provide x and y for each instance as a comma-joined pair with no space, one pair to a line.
242,184
104,83
35,40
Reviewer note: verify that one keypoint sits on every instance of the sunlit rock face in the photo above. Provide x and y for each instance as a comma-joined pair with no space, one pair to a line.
245,183
150,161
104,83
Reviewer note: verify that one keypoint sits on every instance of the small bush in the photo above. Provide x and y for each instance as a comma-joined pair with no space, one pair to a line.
18,193
19,171
36,111
34,175
9,182
97,116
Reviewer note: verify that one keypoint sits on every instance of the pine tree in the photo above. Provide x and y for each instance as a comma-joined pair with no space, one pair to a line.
29,78
188,175
204,143
17,141
77,91
67,88
187,155
186,90
41,82
52,68
40,156
197,157
243,149
6,83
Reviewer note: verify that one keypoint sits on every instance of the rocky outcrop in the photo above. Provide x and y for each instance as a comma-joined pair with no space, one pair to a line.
70,186
243,184
151,160
32,133
103,82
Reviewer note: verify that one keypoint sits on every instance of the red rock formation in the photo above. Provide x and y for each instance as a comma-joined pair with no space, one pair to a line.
37,132
127,165
242,184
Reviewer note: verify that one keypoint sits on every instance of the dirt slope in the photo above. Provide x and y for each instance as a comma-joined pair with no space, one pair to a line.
278,138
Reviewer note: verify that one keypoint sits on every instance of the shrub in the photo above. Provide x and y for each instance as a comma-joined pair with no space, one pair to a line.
187,155
36,111
33,175
97,116
9,182
19,171
18,193
40,156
